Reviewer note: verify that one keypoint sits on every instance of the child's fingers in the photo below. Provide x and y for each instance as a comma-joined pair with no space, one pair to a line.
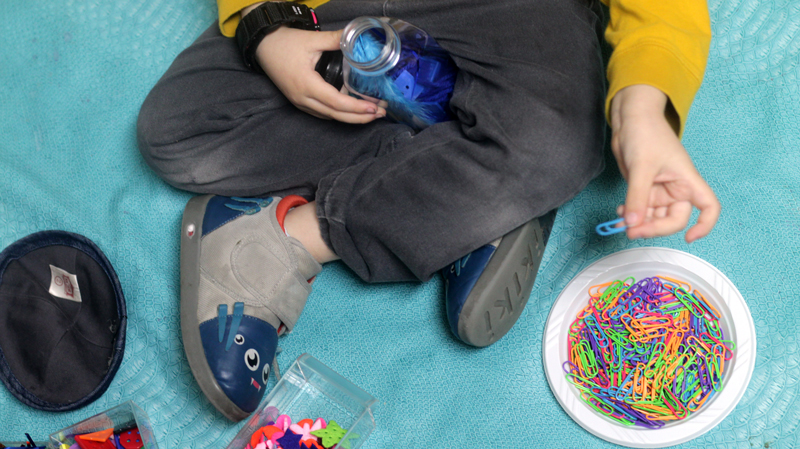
705,200
640,183
326,94
657,212
676,218
346,117
327,40
705,222
310,111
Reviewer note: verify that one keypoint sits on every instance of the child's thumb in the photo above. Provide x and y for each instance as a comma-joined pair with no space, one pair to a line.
638,197
328,40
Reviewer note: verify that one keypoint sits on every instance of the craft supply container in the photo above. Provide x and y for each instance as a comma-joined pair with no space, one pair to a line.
405,70
718,290
309,389
122,417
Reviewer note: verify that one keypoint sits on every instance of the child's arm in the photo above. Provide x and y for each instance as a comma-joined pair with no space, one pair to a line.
288,56
660,53
663,184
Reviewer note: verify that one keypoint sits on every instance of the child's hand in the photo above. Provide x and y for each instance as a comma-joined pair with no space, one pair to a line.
288,56
663,183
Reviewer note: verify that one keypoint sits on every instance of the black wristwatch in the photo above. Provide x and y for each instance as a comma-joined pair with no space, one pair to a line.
266,18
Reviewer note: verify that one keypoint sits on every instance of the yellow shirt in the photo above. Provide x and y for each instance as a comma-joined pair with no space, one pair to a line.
660,43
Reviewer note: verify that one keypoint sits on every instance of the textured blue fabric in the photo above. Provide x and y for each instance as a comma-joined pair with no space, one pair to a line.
72,77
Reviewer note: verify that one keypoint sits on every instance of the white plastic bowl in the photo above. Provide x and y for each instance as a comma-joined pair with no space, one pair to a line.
736,321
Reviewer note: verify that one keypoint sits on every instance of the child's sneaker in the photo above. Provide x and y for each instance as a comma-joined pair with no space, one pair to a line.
487,289
243,282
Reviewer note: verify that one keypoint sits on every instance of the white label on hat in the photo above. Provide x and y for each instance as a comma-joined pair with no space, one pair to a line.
64,285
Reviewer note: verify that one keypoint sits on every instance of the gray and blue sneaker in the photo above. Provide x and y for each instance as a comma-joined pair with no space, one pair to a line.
487,290
243,283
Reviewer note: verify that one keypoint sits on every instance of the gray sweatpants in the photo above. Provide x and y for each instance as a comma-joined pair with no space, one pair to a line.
394,204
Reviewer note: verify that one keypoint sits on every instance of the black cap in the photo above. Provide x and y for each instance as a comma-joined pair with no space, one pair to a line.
62,321
330,67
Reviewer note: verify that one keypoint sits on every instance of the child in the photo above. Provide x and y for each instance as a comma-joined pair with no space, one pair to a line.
396,205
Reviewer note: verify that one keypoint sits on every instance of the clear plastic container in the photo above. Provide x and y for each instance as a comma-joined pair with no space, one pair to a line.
311,390
391,61
122,417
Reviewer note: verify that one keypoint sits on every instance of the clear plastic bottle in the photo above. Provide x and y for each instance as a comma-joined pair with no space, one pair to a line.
392,62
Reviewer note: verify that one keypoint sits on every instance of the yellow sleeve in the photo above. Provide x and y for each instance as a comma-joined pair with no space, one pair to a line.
229,12
660,43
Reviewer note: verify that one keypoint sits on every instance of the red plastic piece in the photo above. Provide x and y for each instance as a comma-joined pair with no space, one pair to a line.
83,443
130,439
100,436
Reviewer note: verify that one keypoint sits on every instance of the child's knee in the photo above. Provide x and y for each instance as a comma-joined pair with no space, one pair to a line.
558,158
164,156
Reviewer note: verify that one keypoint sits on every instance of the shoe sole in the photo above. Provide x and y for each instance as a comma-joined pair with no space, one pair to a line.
502,291
190,327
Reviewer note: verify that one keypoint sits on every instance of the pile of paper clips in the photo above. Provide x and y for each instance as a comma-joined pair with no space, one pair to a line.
647,352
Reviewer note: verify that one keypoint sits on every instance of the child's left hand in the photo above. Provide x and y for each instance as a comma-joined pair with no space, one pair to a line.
663,183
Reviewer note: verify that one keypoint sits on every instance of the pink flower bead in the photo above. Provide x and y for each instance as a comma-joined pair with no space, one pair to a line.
283,422
304,428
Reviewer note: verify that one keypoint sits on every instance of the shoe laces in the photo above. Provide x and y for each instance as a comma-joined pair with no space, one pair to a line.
459,264
251,206
222,321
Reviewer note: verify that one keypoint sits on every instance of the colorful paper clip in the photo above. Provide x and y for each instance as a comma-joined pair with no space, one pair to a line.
609,227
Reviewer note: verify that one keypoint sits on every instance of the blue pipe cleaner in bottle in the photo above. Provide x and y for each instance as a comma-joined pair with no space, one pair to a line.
389,60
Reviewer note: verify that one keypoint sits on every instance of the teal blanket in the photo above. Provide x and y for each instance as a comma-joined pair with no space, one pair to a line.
72,77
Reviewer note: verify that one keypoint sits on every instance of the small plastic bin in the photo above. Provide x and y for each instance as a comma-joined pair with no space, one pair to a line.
122,417
311,390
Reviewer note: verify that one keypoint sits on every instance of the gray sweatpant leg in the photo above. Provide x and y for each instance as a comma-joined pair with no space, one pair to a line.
394,204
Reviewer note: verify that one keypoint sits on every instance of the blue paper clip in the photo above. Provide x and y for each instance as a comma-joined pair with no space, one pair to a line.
609,228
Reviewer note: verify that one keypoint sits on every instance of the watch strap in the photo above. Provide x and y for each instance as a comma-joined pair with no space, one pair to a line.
267,17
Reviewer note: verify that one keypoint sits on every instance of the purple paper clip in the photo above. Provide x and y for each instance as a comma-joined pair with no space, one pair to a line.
609,227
